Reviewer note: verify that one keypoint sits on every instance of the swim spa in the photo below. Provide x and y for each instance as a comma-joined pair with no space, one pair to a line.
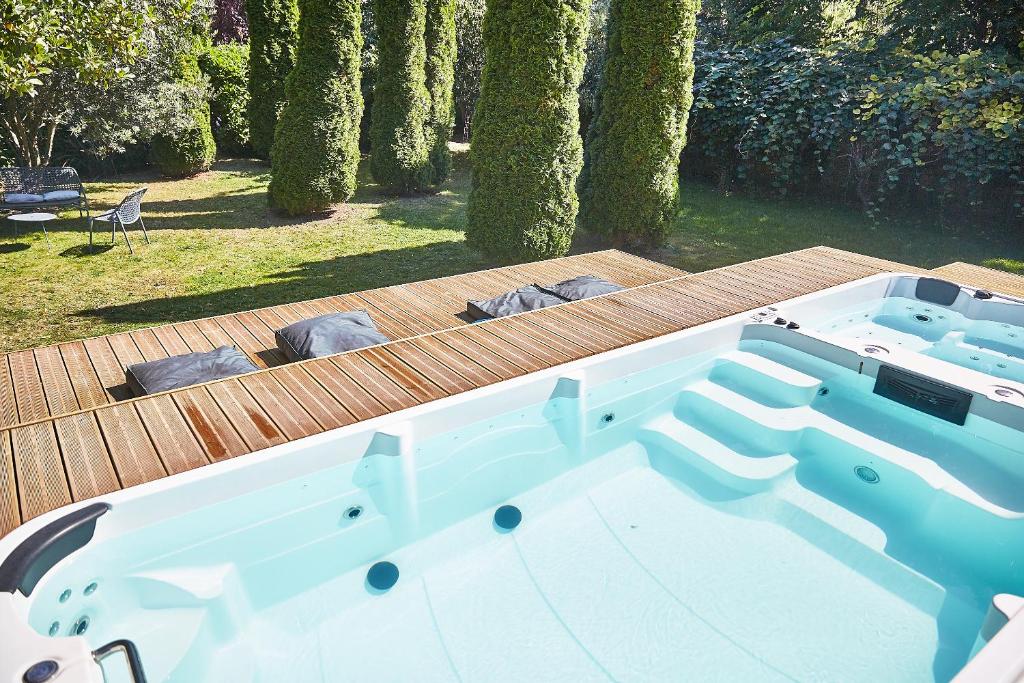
753,499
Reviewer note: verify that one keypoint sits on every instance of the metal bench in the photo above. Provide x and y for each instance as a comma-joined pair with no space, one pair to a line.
52,185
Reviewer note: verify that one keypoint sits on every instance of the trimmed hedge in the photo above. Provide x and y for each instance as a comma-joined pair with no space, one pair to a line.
629,190
527,151
316,150
191,148
440,83
273,33
227,67
399,158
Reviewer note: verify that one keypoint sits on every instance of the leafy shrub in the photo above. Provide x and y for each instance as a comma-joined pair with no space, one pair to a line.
228,22
399,158
186,146
630,183
440,81
527,151
227,67
860,121
316,150
272,38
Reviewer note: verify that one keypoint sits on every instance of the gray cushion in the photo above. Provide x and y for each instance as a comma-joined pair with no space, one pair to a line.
529,298
328,335
22,198
582,287
60,195
188,369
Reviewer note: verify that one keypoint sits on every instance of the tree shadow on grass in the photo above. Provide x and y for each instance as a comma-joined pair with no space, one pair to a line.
13,247
308,281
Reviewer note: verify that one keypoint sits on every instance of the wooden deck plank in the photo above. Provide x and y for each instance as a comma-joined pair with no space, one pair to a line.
86,383
10,513
8,404
288,414
42,484
329,374
89,468
248,418
500,347
214,333
108,368
374,382
171,340
219,439
245,342
148,344
28,387
317,401
125,350
473,368
448,379
193,337
135,457
401,372
60,395
494,362
175,443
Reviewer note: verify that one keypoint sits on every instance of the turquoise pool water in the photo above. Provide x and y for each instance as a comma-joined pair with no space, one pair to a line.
708,524
995,348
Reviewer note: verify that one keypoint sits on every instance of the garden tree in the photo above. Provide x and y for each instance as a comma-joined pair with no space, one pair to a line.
440,82
272,38
959,25
184,145
316,148
227,67
630,184
399,157
229,24
469,63
526,150
47,50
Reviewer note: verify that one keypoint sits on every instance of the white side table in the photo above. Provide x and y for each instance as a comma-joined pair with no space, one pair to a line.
40,218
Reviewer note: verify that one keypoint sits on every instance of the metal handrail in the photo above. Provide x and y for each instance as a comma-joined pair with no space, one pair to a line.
131,653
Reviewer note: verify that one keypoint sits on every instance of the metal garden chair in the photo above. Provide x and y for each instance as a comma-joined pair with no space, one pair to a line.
124,214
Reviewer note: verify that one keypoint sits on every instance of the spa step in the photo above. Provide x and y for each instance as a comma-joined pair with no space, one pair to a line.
803,421
764,379
731,468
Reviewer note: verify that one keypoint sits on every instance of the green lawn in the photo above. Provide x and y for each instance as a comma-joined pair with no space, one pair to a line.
217,248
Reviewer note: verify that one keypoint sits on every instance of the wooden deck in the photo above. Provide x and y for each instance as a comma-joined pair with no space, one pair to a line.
36,384
66,452
984,278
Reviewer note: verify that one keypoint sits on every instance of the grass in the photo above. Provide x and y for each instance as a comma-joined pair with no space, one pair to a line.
217,248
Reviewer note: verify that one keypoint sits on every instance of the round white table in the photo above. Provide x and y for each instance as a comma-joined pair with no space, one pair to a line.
39,217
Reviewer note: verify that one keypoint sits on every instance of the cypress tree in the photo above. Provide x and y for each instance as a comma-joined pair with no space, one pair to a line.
630,186
273,34
316,149
399,157
440,82
190,149
527,151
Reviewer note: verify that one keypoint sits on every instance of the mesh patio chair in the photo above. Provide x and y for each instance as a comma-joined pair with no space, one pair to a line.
124,214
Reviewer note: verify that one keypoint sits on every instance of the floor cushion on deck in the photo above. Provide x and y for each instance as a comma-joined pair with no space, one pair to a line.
328,334
529,298
188,369
582,287
533,297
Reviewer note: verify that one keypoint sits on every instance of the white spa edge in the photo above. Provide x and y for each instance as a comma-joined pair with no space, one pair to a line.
1000,661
